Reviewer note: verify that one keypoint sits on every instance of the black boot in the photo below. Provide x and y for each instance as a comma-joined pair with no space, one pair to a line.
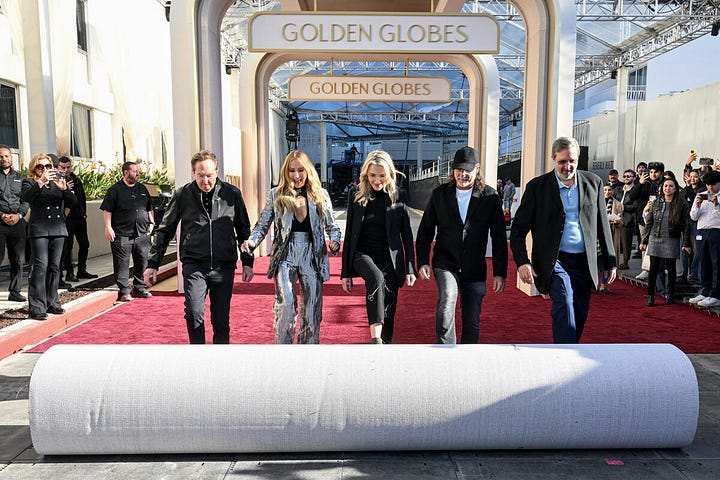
651,300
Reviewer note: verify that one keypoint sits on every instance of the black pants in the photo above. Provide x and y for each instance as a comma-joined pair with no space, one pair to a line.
655,263
381,290
45,273
199,282
14,238
123,248
77,228
626,235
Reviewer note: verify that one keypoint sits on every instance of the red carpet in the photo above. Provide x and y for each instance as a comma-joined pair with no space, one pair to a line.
511,317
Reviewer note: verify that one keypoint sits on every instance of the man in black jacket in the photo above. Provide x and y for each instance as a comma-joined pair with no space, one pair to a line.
461,213
565,211
13,229
76,226
213,224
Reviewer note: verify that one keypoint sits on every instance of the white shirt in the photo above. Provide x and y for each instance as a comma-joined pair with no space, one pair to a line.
707,215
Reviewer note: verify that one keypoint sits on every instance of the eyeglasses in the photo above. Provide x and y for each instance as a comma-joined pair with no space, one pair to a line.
628,176
42,166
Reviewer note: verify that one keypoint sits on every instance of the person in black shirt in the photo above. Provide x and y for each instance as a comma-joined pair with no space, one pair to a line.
213,222
302,214
76,226
13,229
378,243
129,219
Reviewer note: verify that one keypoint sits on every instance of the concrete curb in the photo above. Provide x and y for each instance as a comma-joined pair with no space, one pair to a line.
31,332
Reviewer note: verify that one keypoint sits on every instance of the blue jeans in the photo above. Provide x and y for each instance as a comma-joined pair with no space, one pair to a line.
449,283
570,287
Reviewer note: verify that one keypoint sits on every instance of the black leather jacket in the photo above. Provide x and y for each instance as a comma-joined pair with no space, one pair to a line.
208,240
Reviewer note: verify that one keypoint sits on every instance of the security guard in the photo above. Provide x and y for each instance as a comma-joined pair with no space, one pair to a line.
13,229
129,220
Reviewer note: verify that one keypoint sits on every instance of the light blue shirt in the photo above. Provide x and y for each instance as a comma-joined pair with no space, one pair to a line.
572,239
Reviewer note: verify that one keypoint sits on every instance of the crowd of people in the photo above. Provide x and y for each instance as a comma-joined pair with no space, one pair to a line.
580,228
674,226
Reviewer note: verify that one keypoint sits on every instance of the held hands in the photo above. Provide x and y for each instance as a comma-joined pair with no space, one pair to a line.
425,272
247,246
334,247
150,276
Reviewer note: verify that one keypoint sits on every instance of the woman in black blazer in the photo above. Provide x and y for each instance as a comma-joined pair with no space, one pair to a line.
378,243
49,197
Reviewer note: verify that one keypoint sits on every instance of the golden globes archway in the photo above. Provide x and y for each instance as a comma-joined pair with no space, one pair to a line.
197,102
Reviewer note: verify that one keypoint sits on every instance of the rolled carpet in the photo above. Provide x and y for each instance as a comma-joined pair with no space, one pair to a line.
136,399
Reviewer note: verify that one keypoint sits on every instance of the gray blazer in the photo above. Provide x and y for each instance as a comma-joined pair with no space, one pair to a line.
283,223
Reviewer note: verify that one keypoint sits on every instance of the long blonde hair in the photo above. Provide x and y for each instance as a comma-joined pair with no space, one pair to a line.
35,159
286,193
382,159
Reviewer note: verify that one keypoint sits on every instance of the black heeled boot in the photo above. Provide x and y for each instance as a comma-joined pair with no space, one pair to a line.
651,300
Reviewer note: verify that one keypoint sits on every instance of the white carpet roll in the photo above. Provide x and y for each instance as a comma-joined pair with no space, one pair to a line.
113,399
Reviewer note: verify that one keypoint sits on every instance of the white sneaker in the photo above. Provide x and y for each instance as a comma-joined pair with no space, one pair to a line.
642,275
697,299
709,302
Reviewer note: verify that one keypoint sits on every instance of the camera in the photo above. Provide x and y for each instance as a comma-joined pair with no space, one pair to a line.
58,174
706,161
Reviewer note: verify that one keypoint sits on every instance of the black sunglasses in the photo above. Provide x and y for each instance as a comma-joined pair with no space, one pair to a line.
42,166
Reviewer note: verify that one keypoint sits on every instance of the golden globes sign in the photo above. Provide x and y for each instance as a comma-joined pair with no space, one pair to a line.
368,89
353,32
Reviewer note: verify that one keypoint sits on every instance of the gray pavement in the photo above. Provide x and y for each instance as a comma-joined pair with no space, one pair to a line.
700,460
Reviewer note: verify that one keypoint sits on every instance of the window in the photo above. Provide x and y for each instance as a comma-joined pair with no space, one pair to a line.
81,135
8,117
81,24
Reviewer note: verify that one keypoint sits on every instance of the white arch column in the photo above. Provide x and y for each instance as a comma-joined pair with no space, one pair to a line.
549,80
620,162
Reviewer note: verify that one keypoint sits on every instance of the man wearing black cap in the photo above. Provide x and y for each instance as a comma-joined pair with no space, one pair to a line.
461,212
565,212
706,211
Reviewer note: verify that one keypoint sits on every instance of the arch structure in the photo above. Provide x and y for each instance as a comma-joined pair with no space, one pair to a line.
197,93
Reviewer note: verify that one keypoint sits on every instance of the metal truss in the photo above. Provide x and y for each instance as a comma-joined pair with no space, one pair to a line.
642,30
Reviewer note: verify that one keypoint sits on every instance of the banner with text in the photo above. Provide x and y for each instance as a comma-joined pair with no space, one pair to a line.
368,89
353,32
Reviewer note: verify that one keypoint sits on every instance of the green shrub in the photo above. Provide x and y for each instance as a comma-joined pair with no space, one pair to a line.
97,178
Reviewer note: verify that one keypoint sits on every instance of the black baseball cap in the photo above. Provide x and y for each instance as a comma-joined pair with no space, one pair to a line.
466,158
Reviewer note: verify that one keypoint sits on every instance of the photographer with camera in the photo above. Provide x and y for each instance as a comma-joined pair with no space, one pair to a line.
48,196
706,212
